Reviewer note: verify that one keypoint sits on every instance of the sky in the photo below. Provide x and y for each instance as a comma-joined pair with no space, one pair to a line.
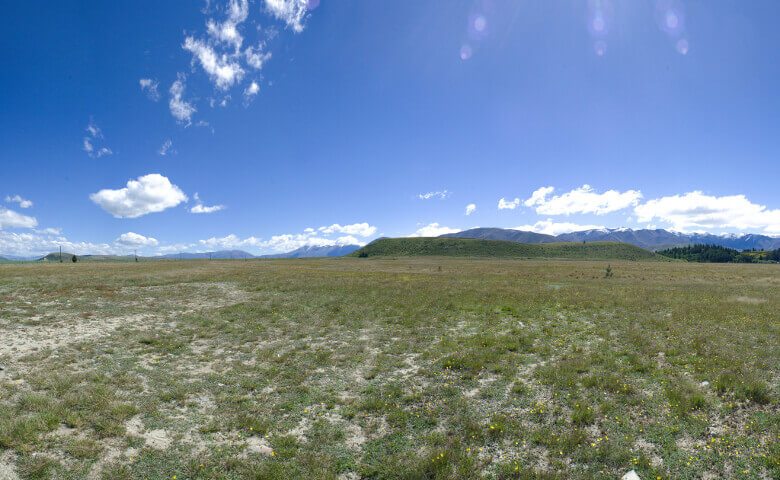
267,125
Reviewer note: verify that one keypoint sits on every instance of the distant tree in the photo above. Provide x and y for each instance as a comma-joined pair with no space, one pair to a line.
74,258
608,273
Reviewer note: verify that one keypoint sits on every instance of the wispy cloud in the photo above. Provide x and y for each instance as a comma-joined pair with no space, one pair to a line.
149,86
428,195
166,148
92,143
471,208
180,109
291,12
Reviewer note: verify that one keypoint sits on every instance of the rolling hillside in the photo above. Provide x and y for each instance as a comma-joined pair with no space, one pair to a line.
465,247
506,234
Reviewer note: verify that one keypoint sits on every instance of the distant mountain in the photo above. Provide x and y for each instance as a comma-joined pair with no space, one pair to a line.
659,239
219,255
312,251
17,258
503,234
656,239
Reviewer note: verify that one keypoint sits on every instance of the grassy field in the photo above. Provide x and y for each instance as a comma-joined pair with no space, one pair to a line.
472,247
415,368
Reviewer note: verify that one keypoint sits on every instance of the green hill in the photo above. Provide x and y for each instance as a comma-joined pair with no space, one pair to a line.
467,247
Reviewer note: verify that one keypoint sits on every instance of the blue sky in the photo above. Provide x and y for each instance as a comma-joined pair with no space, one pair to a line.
355,119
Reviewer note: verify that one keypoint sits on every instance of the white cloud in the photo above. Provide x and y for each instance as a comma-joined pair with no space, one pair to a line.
695,211
291,241
549,227
291,12
11,219
35,244
256,57
149,86
135,240
206,209
433,230
251,90
538,196
582,200
361,229
471,208
166,148
442,195
148,194
180,109
17,199
93,136
504,205
223,69
227,31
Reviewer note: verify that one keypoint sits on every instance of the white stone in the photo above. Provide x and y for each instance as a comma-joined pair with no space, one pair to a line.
630,476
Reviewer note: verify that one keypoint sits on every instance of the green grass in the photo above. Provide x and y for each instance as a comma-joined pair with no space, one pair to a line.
469,247
405,368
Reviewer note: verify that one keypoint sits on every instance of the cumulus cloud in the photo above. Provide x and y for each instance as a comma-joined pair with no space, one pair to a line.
93,140
433,230
442,195
180,109
135,240
11,219
291,12
149,87
471,208
550,227
17,199
361,229
508,205
223,69
581,200
24,244
147,194
695,211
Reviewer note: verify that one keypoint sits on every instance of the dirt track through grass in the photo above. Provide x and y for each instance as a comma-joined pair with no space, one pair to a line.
410,368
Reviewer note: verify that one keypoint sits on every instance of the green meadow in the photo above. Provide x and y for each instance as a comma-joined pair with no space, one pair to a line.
389,368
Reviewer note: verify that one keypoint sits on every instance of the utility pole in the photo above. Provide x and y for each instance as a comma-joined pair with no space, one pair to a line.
60,253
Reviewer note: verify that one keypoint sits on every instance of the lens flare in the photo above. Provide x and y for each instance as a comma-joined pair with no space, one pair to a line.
465,52
480,23
600,47
670,17
682,46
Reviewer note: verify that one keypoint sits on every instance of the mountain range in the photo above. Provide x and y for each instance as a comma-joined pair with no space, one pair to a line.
655,239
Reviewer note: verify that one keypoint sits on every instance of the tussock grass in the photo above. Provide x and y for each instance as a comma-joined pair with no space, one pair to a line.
405,368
